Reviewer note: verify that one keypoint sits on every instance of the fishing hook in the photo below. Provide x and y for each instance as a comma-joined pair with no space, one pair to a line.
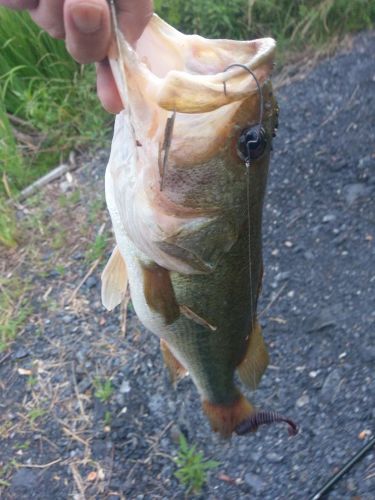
261,105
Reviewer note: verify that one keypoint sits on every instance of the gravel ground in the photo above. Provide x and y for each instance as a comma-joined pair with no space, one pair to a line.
59,440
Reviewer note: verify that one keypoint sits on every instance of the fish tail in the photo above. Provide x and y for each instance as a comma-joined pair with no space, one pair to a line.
224,419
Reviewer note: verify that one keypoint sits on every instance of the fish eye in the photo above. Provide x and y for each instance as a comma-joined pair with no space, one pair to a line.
252,143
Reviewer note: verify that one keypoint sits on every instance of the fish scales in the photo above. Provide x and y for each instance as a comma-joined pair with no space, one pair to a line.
182,224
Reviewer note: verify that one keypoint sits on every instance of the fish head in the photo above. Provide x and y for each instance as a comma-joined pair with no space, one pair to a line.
189,104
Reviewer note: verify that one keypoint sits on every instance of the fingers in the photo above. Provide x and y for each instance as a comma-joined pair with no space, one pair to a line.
133,17
88,29
20,4
48,14
107,90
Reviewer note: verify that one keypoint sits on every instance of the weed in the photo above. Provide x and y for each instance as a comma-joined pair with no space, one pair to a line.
192,467
95,208
36,413
60,269
107,418
22,446
8,225
32,381
59,240
97,248
48,102
103,389
14,309
70,199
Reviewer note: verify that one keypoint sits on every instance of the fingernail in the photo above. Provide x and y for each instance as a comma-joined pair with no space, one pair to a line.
87,18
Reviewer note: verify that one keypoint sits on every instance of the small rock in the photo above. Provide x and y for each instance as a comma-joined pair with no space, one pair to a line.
367,353
353,192
282,276
303,401
24,479
255,482
320,321
329,218
125,387
84,385
331,386
91,282
67,319
21,353
274,457
308,255
156,403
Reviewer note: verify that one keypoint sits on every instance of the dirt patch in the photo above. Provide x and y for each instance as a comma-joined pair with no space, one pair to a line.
86,409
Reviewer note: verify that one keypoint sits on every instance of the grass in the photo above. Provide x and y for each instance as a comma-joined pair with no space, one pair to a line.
192,467
48,102
14,309
295,25
96,249
103,389
36,413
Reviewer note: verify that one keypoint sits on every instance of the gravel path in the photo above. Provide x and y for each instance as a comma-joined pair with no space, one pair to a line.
319,317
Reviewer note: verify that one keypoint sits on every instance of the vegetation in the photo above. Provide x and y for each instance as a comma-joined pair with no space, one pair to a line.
294,24
14,309
48,103
103,389
192,467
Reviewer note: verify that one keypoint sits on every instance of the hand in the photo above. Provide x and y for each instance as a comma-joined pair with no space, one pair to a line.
86,27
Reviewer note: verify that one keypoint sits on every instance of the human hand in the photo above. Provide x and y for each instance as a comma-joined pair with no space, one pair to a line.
86,27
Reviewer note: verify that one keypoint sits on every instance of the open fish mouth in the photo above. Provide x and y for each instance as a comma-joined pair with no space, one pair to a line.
182,111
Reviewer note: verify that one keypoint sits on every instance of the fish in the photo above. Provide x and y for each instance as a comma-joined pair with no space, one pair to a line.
185,185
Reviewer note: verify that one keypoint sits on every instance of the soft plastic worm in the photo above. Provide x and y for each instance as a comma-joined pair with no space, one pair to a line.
265,417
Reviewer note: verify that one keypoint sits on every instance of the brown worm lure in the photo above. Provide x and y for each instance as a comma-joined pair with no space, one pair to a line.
258,418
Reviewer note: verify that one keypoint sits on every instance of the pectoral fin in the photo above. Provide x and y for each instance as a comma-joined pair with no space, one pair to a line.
159,293
114,280
255,361
176,370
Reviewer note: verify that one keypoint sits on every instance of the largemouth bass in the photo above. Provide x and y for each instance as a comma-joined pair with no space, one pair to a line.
185,185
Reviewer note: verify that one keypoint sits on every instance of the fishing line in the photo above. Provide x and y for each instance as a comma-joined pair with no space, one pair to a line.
250,141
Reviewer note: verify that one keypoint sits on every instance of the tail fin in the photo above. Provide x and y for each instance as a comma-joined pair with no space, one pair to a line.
225,418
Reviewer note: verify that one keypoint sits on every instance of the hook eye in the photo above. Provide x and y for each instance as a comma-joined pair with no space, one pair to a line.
252,143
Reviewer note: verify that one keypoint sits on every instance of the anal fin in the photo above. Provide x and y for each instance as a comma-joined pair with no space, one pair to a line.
176,370
255,361
114,280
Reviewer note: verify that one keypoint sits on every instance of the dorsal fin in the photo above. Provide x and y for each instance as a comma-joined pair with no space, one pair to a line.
114,280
